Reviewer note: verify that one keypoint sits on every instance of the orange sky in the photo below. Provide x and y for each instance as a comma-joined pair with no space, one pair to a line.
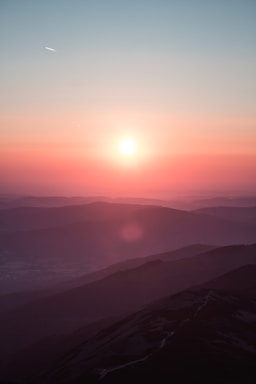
77,168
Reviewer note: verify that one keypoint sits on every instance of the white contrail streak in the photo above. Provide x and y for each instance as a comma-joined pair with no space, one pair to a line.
50,49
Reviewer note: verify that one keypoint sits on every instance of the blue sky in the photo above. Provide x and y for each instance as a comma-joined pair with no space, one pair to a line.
187,54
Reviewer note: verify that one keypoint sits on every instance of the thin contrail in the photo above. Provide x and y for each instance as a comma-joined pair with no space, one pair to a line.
50,49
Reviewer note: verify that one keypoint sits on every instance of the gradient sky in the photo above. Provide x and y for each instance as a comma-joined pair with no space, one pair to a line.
179,76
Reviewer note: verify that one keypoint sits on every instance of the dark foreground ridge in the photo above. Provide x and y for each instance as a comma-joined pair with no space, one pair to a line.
200,336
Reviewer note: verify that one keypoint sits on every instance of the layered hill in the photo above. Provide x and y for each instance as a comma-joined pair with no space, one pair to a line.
97,235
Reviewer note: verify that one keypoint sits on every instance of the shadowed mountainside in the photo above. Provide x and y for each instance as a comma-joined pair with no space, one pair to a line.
117,294
16,299
207,334
239,281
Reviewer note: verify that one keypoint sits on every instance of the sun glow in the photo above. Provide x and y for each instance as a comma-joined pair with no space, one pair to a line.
127,147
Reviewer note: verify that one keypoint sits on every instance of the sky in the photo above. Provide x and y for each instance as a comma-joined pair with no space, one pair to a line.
175,76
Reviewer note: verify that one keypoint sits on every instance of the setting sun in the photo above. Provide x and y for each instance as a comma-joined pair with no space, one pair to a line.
127,147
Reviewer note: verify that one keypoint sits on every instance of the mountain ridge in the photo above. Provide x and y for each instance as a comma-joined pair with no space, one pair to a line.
168,339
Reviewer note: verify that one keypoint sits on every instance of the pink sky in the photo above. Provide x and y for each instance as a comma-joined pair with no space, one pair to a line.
178,78
178,157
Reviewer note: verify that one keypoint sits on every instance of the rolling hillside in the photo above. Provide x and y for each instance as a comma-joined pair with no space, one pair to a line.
98,235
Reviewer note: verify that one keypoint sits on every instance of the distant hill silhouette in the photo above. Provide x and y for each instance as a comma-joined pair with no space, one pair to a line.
222,201
184,202
7,202
29,218
238,214
81,239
